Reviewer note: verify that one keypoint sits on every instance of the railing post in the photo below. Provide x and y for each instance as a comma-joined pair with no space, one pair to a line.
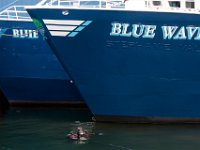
15,8
7,14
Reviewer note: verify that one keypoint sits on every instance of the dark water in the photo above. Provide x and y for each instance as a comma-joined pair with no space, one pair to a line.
46,129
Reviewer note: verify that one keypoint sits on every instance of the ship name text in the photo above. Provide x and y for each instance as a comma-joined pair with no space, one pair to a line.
149,31
25,33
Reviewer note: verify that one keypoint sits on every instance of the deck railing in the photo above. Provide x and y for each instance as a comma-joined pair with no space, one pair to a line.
88,3
15,13
19,13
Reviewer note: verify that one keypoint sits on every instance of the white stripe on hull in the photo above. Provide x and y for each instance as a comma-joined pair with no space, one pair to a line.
63,22
59,28
59,33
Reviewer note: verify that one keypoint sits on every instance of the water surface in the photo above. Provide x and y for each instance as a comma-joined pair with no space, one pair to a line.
46,129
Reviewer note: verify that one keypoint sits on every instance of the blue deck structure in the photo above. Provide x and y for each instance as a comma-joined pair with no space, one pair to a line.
29,71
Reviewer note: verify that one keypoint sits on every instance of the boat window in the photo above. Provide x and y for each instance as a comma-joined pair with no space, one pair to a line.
175,4
189,4
146,3
157,3
90,4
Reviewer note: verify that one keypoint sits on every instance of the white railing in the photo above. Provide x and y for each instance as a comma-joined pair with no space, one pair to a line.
88,3
15,13
19,13
124,4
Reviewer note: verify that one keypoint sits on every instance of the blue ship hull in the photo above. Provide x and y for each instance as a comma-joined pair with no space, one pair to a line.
29,71
132,66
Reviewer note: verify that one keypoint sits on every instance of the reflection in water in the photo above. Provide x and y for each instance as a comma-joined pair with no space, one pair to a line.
4,105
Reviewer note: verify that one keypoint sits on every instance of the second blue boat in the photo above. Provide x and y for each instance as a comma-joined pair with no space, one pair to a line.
29,71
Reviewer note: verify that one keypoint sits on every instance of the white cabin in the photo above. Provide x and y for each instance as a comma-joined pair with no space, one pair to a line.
182,6
164,5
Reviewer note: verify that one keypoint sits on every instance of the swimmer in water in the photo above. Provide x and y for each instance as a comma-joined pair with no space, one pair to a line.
80,132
